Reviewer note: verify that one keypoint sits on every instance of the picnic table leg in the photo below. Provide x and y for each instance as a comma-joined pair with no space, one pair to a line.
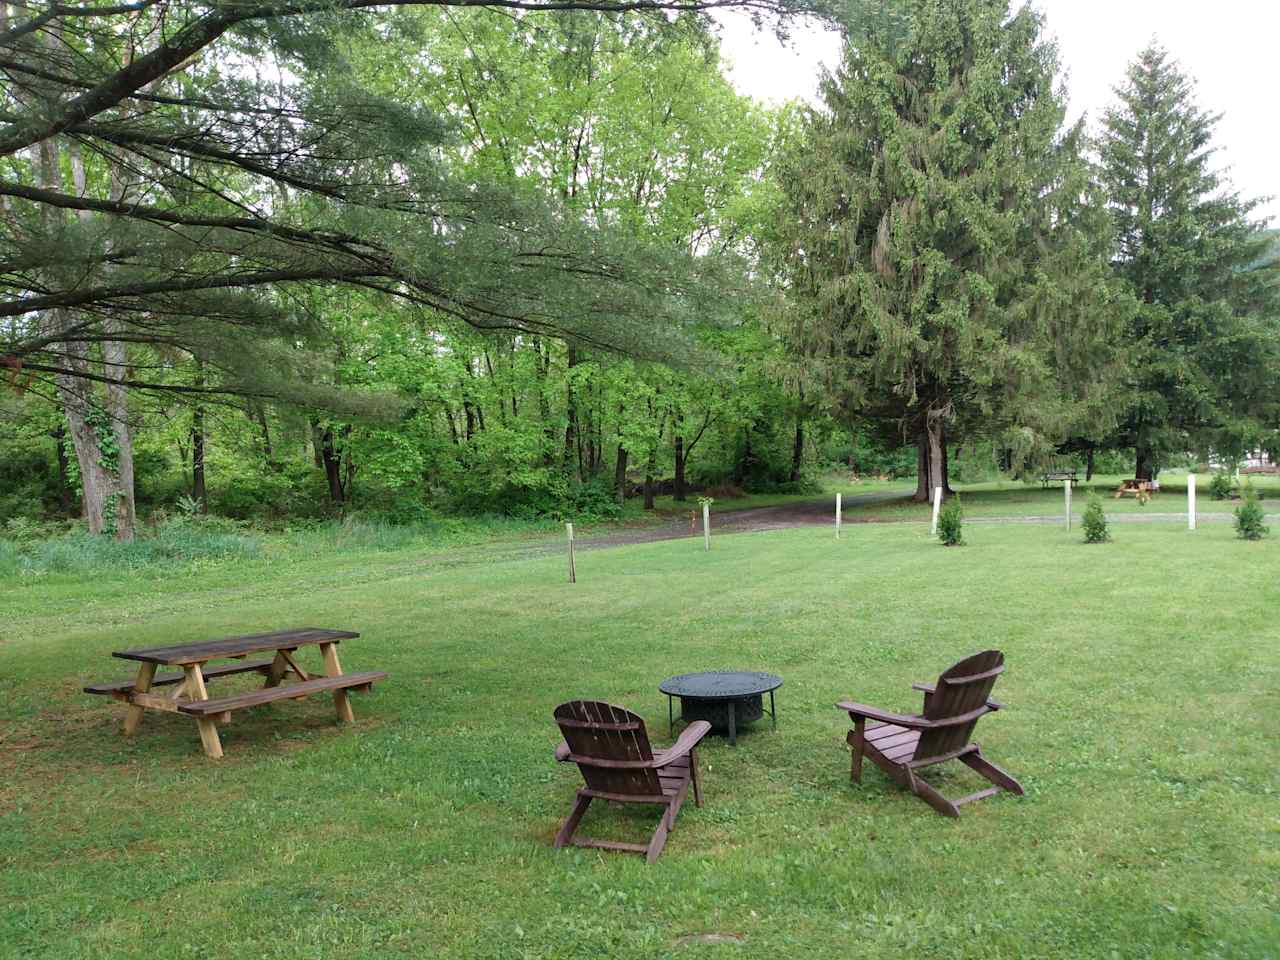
341,700
277,670
208,729
133,715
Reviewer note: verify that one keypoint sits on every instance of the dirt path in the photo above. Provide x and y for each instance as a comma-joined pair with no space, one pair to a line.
822,513
782,517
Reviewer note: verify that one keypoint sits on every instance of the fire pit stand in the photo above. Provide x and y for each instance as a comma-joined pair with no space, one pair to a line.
723,698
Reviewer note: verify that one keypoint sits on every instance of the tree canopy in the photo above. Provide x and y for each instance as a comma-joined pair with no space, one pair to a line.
1204,339
943,236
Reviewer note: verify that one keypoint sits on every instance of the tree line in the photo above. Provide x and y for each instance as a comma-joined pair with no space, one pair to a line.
537,257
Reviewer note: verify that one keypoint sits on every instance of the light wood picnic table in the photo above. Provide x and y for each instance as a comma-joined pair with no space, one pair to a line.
190,695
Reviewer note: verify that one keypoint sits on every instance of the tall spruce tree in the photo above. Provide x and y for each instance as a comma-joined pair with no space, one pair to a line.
943,232
1204,339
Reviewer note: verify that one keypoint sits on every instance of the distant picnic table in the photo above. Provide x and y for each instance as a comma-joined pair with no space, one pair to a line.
1058,476
191,697
1139,488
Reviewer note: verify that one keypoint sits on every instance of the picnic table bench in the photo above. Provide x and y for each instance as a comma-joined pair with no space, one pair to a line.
190,696
1058,476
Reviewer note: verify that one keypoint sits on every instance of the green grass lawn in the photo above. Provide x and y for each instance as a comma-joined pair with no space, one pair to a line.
1142,686
1013,498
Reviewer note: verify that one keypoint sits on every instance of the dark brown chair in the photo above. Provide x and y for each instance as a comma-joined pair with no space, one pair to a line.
611,748
901,744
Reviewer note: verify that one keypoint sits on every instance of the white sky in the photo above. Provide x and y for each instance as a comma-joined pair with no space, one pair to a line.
1229,47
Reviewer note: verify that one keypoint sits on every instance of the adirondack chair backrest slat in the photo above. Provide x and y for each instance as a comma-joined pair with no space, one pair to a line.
963,689
602,731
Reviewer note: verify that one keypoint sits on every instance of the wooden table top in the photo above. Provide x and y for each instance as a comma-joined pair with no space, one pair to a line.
184,653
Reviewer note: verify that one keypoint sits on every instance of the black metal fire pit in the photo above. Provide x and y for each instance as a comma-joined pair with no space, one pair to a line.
724,698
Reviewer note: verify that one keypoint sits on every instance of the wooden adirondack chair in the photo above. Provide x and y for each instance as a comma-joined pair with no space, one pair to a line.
901,744
611,748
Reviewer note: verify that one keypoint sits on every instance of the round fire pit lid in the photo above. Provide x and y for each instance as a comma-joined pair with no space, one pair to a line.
720,684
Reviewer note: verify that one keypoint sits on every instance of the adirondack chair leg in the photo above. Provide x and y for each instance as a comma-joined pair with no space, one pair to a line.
658,842
976,761
693,778
857,741
931,796
571,824
673,808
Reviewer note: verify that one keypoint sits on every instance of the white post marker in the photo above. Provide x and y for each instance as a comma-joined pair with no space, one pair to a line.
573,573
1191,501
1066,486
706,526
937,504
838,516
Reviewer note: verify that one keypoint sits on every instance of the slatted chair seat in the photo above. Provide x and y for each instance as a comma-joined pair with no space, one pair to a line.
611,748
901,744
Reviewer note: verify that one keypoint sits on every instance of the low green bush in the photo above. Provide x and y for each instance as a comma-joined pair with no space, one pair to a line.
1095,522
1221,486
950,522
1250,516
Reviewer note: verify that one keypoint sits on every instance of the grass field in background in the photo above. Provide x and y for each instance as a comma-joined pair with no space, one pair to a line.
1012,498
1142,686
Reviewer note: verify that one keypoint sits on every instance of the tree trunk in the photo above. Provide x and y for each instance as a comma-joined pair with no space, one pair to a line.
106,468
946,468
1088,466
745,462
543,364
198,493
471,418
453,427
1144,458
65,500
680,458
349,486
648,479
571,405
260,418
797,450
620,475
332,465
317,442
931,461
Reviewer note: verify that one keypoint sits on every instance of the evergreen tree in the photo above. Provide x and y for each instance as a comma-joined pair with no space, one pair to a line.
940,233
1203,340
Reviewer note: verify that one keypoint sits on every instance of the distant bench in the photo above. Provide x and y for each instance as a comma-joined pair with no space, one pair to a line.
191,697
1058,476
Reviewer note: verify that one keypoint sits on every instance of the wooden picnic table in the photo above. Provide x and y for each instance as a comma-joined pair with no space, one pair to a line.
1058,476
190,696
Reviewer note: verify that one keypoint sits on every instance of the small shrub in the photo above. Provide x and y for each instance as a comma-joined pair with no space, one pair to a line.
1221,486
1095,522
1249,516
950,520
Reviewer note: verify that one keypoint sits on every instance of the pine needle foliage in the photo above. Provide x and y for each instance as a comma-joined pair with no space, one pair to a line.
1096,529
1249,517
950,523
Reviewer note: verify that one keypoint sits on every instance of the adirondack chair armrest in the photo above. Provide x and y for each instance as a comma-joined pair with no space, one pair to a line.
563,751
928,688
687,740
884,716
